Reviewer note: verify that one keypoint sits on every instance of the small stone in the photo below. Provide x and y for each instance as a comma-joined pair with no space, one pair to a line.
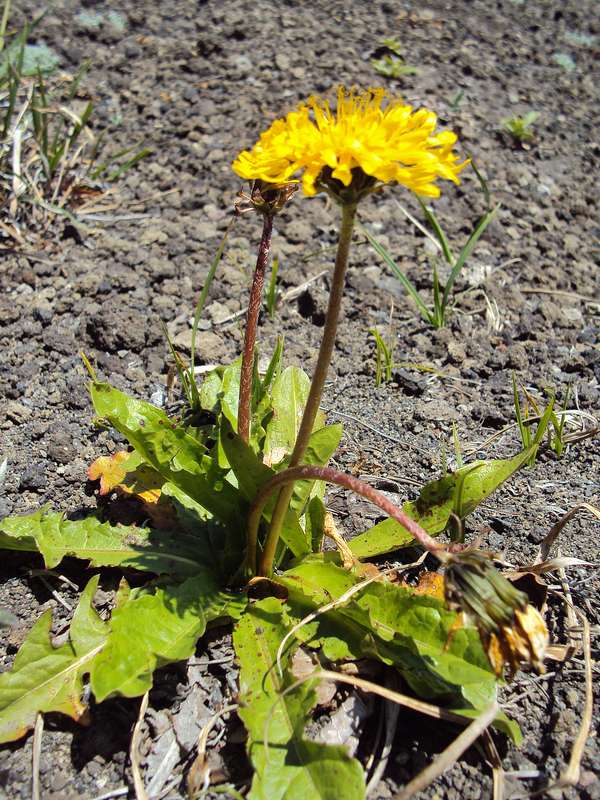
16,412
218,312
572,697
33,478
572,243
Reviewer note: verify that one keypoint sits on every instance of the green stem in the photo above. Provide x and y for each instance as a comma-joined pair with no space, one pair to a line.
316,388
254,304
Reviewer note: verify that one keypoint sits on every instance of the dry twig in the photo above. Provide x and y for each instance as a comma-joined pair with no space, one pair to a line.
134,755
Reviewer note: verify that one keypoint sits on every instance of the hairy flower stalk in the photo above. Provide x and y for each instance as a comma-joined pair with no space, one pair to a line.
266,200
288,477
254,304
513,632
349,155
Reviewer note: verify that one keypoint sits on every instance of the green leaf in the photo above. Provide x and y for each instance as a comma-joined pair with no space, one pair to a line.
437,656
321,446
250,472
169,449
287,767
210,390
230,392
154,627
104,545
251,475
458,493
315,524
45,678
288,397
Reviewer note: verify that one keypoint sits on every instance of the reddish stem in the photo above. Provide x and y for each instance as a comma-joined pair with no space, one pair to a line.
330,475
254,305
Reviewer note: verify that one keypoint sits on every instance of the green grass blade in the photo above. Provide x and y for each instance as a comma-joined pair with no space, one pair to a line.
143,153
544,422
523,429
272,289
483,185
80,74
183,376
466,252
437,229
4,23
438,308
383,253
81,125
204,294
274,365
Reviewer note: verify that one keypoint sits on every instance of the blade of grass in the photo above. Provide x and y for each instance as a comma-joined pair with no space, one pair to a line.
543,423
4,23
483,184
83,120
383,253
183,376
272,288
143,153
202,299
466,252
437,229
523,429
79,75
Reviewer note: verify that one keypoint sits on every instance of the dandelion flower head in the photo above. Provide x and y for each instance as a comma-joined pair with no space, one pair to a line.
389,143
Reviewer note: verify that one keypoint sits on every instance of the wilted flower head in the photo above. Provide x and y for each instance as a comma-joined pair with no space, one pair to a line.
355,150
512,630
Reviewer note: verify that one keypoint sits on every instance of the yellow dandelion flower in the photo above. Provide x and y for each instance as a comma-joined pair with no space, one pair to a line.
361,146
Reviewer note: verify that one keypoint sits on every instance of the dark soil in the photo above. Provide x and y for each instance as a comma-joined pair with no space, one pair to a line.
197,82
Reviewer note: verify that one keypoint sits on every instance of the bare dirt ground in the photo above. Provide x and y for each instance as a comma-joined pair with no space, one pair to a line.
197,82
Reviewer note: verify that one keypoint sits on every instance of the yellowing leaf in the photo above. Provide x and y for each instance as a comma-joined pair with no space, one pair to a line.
123,473
109,470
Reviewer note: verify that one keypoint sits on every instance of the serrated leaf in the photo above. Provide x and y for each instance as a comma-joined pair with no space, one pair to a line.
44,678
104,545
169,449
458,493
437,655
157,626
287,767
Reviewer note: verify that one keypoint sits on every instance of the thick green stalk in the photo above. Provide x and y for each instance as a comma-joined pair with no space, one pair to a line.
254,304
316,388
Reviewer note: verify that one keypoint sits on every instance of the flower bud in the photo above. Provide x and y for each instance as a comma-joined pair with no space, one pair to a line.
265,198
513,632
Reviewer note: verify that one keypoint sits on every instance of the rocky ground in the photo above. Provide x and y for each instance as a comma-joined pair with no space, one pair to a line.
196,82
